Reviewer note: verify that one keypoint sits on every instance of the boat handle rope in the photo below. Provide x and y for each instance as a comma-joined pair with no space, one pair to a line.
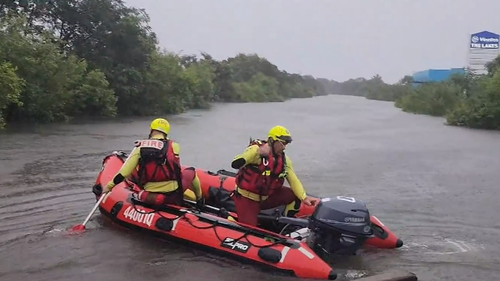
244,236
214,227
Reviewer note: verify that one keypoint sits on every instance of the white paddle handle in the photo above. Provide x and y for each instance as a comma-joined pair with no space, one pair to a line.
93,209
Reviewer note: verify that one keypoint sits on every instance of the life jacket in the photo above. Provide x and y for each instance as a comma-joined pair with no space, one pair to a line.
157,162
263,179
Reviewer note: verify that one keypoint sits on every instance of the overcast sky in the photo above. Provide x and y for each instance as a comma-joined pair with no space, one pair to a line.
334,39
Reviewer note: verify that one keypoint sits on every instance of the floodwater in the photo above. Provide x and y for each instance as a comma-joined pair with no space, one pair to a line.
432,184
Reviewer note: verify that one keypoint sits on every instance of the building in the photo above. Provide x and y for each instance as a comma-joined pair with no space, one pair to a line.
484,47
435,75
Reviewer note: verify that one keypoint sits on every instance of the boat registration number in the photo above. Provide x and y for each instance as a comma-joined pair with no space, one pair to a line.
144,218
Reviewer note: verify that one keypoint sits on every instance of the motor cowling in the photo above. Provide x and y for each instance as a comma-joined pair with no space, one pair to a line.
339,226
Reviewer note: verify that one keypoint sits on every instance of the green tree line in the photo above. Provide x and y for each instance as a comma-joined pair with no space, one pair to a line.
469,100
61,59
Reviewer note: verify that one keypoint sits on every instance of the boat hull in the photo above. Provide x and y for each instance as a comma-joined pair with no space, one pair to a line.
207,231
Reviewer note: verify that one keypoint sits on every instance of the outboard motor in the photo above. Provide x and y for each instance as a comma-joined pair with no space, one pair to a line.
339,226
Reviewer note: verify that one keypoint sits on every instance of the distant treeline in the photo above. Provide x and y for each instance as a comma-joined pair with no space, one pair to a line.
469,100
61,59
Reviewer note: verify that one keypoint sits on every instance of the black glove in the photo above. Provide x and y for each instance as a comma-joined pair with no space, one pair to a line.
200,203
223,213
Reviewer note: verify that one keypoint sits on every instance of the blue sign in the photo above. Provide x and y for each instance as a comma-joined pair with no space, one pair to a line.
485,40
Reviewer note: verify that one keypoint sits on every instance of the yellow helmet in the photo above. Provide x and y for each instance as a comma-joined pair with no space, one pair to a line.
280,133
161,125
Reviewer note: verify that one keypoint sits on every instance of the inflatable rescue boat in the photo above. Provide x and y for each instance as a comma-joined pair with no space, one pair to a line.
347,211
207,230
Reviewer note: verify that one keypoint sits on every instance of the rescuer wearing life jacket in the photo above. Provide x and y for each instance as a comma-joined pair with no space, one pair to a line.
156,163
263,168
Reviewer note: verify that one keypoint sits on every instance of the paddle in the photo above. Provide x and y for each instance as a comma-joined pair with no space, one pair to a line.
81,227
279,219
209,208
238,227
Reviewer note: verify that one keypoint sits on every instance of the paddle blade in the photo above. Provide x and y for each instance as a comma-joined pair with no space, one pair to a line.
78,227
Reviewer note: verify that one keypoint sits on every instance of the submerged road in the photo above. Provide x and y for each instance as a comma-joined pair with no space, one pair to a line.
433,185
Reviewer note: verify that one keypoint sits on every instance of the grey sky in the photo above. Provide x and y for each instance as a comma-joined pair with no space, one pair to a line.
333,39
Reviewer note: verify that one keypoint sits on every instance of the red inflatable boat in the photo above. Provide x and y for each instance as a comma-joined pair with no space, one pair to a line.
208,231
218,186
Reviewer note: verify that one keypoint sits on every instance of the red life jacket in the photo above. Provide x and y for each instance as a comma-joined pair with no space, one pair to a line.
265,178
158,162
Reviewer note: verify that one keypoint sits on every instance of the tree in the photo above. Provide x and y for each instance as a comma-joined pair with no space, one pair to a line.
74,58
470,100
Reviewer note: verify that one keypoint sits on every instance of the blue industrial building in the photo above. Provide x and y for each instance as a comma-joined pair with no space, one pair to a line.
435,75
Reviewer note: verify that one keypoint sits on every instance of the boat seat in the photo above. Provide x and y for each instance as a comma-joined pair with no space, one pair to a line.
221,198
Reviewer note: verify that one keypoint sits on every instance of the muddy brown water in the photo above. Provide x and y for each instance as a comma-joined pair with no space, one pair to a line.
436,186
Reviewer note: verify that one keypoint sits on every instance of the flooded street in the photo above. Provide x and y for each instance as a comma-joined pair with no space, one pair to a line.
433,185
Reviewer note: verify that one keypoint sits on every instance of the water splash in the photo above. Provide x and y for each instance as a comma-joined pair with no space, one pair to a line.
443,246
355,274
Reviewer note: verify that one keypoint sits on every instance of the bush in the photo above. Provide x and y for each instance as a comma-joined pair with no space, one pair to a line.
464,100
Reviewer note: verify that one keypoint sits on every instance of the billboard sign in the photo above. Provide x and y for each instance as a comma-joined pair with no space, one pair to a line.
485,40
